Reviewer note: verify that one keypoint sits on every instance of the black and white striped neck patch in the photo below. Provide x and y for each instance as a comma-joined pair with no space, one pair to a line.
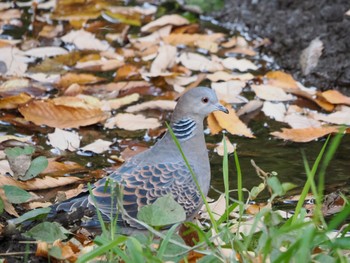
184,129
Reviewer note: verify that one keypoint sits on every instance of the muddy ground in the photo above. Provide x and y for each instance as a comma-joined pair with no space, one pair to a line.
291,25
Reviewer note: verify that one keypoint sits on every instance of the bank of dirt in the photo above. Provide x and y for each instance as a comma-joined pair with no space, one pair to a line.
291,25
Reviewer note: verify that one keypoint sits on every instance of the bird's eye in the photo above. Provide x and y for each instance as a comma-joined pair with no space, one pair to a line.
205,100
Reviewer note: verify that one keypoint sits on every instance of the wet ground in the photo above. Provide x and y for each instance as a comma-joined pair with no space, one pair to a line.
291,25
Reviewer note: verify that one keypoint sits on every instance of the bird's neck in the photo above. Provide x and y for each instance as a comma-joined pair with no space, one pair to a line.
184,129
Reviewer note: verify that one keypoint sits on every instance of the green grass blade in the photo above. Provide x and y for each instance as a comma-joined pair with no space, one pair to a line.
165,241
99,216
239,184
211,216
225,178
104,249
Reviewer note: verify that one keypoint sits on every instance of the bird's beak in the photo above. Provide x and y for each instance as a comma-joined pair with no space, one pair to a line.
221,108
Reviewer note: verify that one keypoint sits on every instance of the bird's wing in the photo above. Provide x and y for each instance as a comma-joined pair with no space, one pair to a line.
144,183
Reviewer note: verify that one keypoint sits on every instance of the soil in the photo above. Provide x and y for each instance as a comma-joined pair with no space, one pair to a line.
291,25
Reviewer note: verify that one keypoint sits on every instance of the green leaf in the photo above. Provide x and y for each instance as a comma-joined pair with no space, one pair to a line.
17,151
31,215
256,190
16,195
1,206
288,186
164,211
47,232
38,165
275,185
56,252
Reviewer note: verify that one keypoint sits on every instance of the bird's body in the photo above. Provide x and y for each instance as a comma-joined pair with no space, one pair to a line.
161,169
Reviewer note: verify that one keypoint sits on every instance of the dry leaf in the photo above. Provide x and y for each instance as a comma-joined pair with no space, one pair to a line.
239,64
220,148
197,62
98,146
304,135
229,91
274,110
309,56
46,182
74,78
282,80
224,76
268,92
218,208
180,80
56,169
9,208
153,104
298,121
67,253
15,60
132,122
335,97
64,140
85,40
72,192
100,65
43,52
12,102
175,20
119,102
218,121
242,50
251,106
164,60
61,116
51,31
339,117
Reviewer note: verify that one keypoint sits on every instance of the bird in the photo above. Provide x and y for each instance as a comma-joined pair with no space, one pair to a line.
160,170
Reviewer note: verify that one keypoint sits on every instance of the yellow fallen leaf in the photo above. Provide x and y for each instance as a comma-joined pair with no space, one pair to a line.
229,122
72,78
304,135
12,102
281,79
335,97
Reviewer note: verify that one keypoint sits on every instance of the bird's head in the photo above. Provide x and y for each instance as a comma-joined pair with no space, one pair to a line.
198,103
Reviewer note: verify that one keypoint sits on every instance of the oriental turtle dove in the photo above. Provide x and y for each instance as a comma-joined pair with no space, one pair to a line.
160,170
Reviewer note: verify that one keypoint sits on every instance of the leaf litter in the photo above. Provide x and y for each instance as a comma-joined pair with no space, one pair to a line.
97,84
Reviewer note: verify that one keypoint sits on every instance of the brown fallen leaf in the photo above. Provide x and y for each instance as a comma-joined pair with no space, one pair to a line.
251,106
127,72
74,78
165,59
242,50
175,20
71,193
57,169
304,135
46,182
60,116
335,97
119,102
12,102
67,252
9,208
218,121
